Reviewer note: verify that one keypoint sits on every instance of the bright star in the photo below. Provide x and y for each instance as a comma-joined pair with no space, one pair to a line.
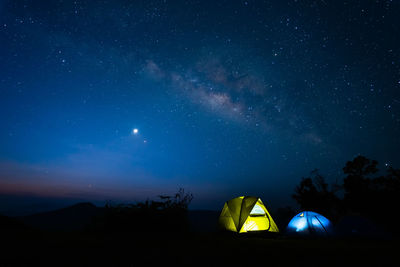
135,131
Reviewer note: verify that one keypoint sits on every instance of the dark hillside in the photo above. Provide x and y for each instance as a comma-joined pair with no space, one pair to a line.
75,217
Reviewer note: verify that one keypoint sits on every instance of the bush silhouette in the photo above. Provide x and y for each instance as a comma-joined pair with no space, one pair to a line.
168,214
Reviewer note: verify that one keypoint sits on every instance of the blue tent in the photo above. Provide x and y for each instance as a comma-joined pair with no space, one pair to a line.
308,223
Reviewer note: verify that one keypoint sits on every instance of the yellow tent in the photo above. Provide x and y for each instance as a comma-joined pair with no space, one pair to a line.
246,214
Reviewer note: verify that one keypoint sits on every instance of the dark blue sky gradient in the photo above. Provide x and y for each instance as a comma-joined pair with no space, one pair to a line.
229,97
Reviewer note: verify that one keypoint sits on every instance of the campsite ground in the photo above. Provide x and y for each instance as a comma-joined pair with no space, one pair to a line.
187,249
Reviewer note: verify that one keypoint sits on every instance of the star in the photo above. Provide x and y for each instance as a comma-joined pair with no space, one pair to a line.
135,131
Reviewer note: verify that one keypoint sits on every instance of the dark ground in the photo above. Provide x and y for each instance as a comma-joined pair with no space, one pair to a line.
23,245
187,249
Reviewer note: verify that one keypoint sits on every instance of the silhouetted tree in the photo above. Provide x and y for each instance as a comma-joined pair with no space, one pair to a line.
314,194
358,185
374,197
365,193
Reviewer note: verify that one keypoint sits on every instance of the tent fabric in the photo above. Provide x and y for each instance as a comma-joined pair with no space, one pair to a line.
246,214
226,219
309,223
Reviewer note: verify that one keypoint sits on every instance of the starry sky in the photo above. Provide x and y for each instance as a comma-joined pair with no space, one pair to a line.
227,97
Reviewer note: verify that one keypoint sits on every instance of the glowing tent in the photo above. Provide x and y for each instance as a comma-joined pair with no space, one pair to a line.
308,223
246,214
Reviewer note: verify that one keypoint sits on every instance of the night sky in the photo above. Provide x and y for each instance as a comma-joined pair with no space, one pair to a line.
227,98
